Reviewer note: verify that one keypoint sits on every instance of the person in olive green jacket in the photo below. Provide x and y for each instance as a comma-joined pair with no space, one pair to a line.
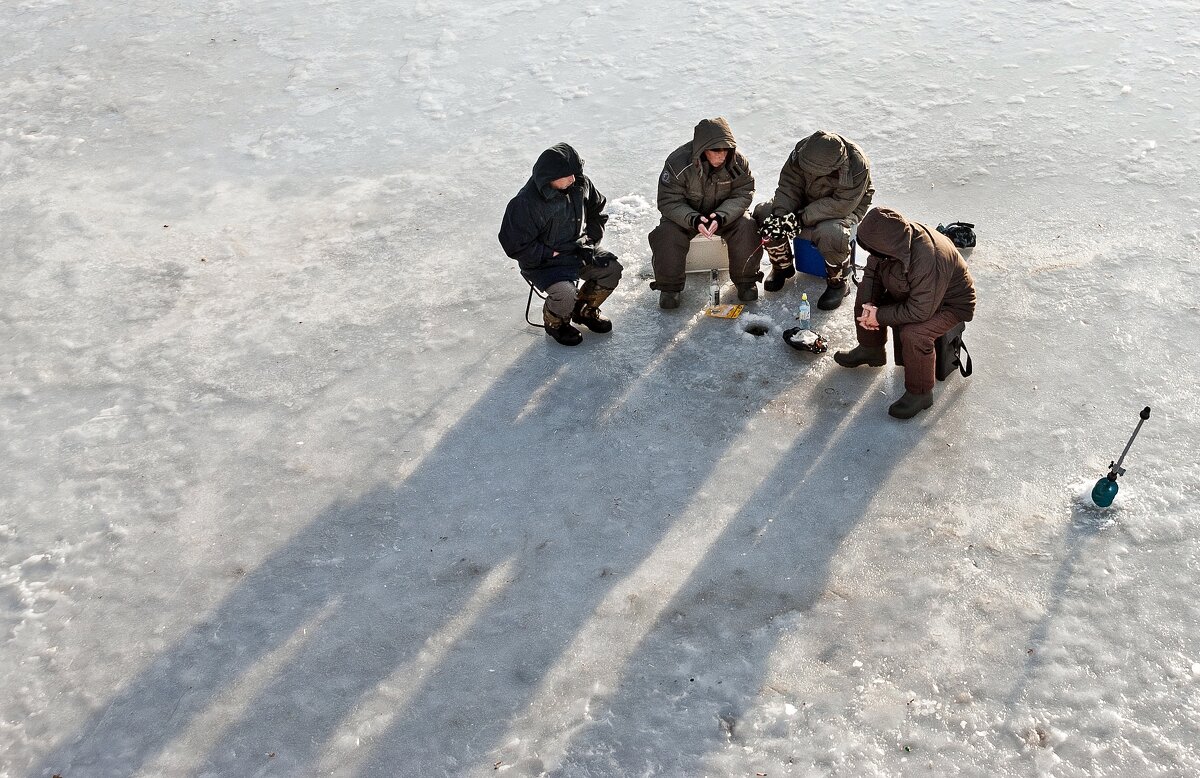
917,283
826,182
705,188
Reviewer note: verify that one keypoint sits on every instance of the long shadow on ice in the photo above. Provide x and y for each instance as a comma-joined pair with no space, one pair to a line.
704,664
412,625
1087,522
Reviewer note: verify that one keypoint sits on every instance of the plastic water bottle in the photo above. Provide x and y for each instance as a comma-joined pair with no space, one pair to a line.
803,311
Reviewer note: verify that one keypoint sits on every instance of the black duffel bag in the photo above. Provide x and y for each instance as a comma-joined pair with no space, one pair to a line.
949,350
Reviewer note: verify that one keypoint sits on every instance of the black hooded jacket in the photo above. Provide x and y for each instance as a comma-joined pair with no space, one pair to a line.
541,219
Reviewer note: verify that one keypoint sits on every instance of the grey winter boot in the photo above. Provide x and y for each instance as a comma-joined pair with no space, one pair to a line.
561,329
910,405
873,356
587,307
783,265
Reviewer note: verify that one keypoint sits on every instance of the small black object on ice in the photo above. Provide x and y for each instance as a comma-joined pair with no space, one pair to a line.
805,340
962,234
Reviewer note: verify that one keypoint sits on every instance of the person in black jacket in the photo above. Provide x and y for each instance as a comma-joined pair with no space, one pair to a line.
553,229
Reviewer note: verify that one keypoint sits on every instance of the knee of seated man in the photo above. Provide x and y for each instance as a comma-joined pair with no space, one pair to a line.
832,233
613,270
917,338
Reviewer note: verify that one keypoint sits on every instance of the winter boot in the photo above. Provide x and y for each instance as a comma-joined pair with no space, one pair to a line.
747,292
591,317
874,356
668,300
587,307
561,329
910,405
783,266
833,295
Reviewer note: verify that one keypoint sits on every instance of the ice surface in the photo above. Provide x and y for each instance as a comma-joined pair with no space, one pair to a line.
287,486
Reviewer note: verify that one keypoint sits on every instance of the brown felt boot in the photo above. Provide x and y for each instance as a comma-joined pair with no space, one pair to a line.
587,307
561,330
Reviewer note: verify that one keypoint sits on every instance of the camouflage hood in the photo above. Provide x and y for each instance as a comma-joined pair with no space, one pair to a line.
822,154
712,134
558,161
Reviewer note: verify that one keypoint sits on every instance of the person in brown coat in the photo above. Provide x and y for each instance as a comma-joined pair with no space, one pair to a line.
704,189
826,182
917,283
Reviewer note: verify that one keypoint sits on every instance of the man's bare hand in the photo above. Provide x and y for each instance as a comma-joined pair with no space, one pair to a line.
868,320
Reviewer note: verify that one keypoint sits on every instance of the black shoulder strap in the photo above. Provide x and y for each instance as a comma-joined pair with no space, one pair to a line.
854,274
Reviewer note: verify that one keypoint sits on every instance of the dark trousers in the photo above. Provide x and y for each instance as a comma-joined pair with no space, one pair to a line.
669,244
916,346
560,297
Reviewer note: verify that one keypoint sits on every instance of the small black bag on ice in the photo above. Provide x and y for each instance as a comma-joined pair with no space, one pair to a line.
962,234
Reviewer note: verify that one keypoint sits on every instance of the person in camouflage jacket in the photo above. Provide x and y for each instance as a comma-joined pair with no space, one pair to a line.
826,182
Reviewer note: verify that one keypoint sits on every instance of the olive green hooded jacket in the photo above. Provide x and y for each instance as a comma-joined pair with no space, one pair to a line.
913,272
825,177
689,187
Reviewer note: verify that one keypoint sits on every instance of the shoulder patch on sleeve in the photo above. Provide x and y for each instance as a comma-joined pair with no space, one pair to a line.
665,177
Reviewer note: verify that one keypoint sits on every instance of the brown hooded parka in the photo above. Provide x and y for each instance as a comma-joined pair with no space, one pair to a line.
912,272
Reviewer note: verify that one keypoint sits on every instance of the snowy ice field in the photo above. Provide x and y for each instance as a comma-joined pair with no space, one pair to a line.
289,488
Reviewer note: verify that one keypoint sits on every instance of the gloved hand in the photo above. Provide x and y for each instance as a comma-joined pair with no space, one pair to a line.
585,250
780,228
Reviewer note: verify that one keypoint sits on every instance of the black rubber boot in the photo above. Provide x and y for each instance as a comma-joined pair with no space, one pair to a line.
775,278
668,300
910,405
590,317
561,330
873,356
747,293
833,295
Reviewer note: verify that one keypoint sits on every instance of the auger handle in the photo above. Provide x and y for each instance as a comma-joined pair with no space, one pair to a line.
1144,415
